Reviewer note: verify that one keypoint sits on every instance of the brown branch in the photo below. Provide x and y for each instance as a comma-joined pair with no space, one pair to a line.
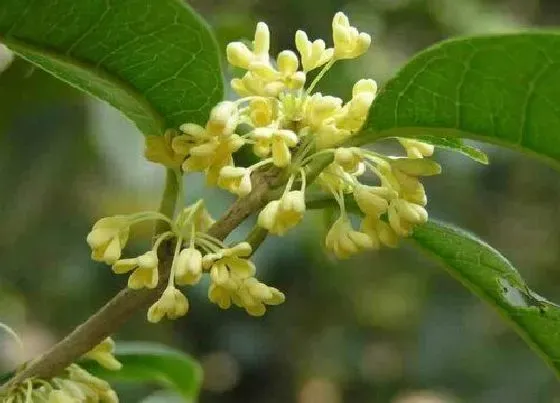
120,309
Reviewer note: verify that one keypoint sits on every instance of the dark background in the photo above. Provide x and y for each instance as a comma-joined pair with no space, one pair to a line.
389,326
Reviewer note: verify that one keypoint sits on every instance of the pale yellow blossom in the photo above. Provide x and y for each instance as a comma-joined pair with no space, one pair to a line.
262,112
379,231
354,114
313,54
239,55
172,304
277,142
213,155
416,149
404,215
281,215
348,42
103,353
188,268
349,159
344,241
145,268
373,200
108,237
236,180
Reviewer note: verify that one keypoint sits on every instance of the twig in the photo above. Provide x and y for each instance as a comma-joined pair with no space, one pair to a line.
120,308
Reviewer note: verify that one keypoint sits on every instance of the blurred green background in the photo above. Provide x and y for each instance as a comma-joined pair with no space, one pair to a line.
388,326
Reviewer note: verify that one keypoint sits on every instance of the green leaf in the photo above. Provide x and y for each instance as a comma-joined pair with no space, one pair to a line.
155,60
457,145
149,362
485,272
5,376
501,89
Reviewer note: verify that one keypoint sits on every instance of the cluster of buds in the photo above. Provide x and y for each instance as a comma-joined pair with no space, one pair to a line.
231,273
390,209
288,126
75,384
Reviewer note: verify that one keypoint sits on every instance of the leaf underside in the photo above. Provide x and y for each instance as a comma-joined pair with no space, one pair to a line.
489,275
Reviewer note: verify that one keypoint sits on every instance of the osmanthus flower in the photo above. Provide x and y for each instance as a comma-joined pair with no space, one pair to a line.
404,215
72,385
103,353
172,304
278,142
235,179
353,114
262,112
379,231
233,281
239,55
189,267
344,241
107,238
313,54
278,216
290,127
286,73
144,267
348,42
212,155
416,149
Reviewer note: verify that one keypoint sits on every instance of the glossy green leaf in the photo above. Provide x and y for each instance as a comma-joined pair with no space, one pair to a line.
489,275
457,145
153,363
501,89
155,60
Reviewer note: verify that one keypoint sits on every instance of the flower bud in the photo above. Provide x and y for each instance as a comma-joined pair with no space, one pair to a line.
236,180
242,249
372,200
261,44
279,216
103,353
348,42
262,112
219,296
223,119
344,241
239,55
313,54
281,142
349,159
188,268
172,304
107,238
416,149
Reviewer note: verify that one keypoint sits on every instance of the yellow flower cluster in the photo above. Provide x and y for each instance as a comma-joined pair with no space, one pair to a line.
291,125
390,209
288,126
75,384
231,273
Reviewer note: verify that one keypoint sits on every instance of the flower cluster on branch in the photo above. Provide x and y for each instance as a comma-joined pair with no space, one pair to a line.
75,384
289,125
